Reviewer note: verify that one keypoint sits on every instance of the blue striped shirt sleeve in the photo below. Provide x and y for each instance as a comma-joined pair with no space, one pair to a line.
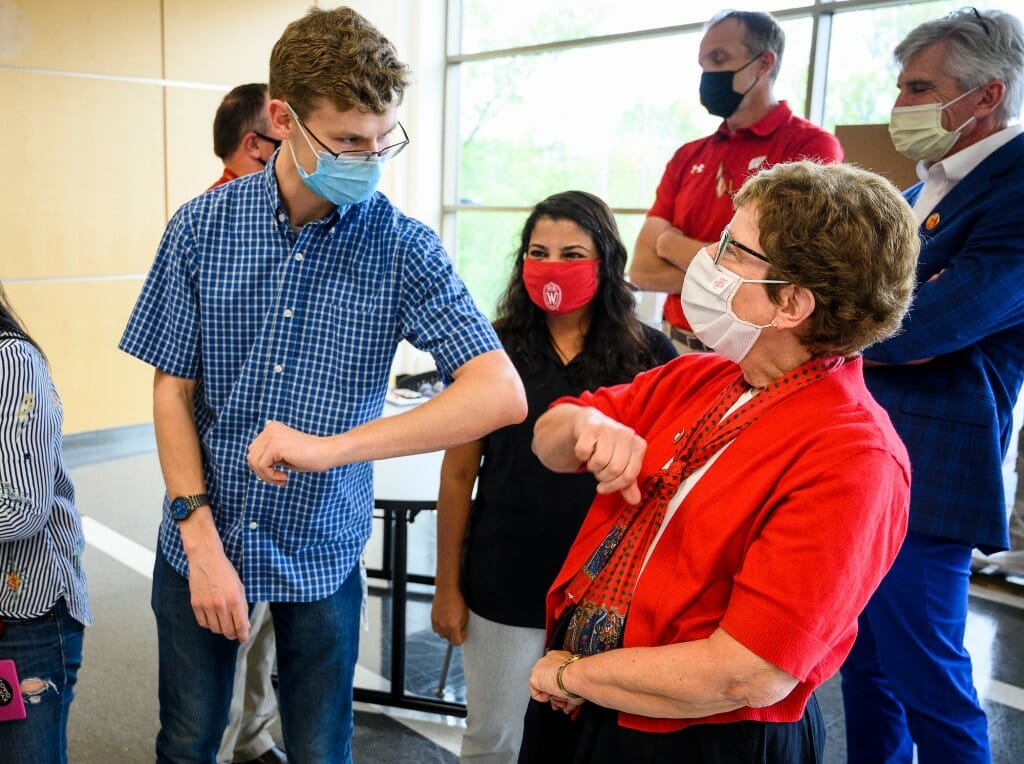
27,431
41,540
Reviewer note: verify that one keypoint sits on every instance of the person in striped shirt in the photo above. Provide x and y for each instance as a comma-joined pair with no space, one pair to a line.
44,608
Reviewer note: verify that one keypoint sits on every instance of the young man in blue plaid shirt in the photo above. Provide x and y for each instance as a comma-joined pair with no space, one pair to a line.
274,305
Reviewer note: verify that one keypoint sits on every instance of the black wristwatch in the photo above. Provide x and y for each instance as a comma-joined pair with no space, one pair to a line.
183,506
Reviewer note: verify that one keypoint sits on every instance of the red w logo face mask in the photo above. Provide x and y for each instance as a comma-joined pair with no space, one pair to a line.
560,287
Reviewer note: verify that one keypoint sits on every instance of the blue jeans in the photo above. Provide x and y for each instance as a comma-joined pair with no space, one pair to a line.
317,647
908,678
48,648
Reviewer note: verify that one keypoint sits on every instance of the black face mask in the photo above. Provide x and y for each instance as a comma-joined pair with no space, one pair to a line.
717,95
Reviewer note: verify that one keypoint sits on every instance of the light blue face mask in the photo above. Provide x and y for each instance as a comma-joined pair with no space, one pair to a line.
339,180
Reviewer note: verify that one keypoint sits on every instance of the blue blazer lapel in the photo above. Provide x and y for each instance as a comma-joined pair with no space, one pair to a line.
1005,159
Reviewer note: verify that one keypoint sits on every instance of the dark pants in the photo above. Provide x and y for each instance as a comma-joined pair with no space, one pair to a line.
317,647
595,737
47,649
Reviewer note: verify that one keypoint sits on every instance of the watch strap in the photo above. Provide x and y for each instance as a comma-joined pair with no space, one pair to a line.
192,503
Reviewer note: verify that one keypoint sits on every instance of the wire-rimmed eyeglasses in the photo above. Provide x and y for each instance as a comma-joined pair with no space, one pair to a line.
388,152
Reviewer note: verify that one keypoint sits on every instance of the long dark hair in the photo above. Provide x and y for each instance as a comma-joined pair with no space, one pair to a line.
10,326
615,349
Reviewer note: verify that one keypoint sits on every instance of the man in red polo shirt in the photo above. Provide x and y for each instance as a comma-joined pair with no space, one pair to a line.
740,55
243,137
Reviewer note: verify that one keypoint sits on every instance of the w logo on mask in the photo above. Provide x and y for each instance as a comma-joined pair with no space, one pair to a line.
560,286
552,295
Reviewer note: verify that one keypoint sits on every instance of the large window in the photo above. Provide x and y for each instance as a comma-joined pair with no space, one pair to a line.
861,72
548,95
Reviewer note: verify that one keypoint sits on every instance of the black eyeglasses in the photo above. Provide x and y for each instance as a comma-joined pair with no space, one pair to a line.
387,152
268,139
727,239
977,17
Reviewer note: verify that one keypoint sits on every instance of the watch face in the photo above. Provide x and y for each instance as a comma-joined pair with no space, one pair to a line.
180,509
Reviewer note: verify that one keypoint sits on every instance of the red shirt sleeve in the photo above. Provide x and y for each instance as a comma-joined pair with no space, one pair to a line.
811,571
671,180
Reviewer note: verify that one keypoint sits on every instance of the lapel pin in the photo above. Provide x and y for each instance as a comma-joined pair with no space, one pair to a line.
931,221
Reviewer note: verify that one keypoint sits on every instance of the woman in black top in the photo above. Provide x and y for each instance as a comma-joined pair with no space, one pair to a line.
567,321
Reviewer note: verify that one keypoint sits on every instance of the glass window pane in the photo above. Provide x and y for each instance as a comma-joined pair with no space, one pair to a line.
862,74
589,118
791,84
490,25
629,228
484,252
592,118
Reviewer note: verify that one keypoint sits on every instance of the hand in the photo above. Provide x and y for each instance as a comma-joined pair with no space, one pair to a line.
280,446
612,452
544,683
218,597
449,615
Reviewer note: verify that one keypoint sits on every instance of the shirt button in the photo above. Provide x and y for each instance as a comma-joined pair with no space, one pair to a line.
298,257
278,368
282,217
253,526
287,312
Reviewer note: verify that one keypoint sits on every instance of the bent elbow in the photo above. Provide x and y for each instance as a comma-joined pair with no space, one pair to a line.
765,691
639,278
515,407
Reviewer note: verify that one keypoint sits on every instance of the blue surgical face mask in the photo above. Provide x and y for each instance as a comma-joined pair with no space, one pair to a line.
339,180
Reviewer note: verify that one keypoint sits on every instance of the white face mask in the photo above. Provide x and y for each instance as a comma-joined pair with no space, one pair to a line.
707,296
917,131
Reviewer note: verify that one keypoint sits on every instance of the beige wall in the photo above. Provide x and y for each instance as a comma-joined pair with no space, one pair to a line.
110,107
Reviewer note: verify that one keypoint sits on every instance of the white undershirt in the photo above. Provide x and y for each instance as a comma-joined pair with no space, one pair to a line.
940,177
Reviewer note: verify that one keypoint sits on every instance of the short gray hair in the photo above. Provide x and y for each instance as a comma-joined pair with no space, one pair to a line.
983,46
761,32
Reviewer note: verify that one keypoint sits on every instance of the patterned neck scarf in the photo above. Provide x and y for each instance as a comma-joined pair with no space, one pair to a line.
603,588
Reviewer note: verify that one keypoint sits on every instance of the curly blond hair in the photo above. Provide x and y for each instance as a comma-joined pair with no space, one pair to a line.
339,57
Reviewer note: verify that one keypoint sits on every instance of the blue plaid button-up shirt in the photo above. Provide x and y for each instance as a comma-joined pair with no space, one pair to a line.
300,326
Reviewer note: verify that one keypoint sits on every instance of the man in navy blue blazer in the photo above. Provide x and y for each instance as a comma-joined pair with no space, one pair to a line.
949,382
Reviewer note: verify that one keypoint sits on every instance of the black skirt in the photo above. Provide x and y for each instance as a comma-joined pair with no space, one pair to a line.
595,737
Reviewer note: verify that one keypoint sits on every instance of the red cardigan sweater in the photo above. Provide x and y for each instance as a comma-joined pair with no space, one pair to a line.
781,542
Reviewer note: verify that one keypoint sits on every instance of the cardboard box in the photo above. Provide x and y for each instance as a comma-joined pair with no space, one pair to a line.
870,147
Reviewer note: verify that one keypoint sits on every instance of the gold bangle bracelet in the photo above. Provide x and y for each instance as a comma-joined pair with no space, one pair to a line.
558,675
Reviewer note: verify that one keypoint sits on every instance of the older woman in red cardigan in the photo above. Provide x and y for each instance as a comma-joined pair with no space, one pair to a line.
749,500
